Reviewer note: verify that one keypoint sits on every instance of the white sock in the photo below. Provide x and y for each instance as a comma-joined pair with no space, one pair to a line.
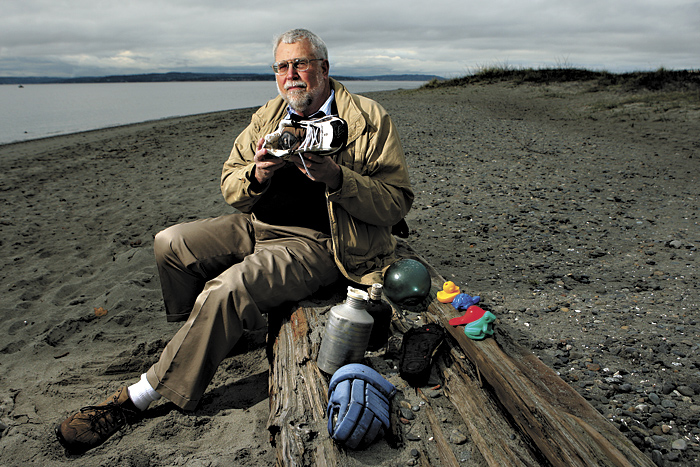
142,393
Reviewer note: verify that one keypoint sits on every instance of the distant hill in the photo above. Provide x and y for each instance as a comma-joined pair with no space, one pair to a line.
659,80
179,76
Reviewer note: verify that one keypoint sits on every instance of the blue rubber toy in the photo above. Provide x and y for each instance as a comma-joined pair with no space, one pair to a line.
358,405
464,301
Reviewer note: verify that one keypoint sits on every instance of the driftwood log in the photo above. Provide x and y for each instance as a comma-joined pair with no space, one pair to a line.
517,410
298,396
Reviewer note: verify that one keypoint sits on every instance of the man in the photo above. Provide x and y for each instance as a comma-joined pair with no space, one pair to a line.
302,225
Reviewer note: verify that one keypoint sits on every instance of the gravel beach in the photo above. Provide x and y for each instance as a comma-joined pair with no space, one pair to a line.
571,209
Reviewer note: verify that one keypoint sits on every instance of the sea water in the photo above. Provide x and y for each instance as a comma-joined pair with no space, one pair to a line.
41,110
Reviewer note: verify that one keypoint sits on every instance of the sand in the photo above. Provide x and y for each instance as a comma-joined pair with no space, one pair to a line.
572,213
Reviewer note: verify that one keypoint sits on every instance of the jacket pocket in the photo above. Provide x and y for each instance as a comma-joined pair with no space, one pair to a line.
365,244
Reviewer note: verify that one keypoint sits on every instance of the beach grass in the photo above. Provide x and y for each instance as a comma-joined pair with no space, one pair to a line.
686,81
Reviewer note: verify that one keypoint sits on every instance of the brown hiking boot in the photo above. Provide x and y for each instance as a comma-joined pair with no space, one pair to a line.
94,424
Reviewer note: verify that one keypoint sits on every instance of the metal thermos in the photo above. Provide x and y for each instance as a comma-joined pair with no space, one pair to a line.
347,333
381,312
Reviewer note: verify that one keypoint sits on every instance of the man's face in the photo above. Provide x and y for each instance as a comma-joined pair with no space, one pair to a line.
304,91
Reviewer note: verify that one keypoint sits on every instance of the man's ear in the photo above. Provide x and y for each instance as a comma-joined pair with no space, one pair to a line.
326,67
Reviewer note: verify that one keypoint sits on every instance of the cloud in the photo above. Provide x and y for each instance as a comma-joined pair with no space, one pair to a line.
80,37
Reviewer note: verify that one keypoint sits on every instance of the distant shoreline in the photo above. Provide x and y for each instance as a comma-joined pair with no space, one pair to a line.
36,110
179,77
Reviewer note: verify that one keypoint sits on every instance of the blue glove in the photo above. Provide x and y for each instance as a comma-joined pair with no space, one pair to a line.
358,405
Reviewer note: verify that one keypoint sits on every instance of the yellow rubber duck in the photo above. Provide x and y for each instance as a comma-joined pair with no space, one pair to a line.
448,293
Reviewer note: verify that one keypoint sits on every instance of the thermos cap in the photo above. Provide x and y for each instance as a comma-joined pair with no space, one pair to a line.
375,292
357,294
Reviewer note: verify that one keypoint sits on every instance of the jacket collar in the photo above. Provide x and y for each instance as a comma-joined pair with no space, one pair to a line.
348,110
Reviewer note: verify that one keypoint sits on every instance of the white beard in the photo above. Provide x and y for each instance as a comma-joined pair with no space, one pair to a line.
300,100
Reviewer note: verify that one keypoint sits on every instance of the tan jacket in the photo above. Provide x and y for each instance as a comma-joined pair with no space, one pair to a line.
375,194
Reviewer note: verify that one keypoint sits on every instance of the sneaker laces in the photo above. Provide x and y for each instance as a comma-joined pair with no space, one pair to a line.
312,138
98,418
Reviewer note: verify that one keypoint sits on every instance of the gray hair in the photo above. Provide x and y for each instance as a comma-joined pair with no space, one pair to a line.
318,47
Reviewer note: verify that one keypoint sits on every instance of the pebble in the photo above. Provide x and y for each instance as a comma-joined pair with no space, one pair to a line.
669,404
667,388
686,390
640,431
680,444
626,387
654,398
602,385
412,437
675,244
407,413
457,437
655,418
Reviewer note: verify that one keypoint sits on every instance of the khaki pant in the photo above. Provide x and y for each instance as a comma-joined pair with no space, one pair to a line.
220,275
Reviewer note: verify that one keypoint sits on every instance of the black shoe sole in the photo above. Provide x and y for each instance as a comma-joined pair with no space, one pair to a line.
417,350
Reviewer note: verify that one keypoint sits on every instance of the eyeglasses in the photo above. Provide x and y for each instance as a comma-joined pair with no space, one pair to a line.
299,64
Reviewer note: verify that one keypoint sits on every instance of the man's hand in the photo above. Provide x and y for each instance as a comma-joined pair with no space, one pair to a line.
320,168
265,166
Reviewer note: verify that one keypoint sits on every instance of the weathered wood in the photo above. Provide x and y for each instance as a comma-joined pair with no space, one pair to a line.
566,429
492,434
447,457
298,396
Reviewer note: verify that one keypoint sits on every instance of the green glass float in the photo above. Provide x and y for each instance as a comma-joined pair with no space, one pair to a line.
407,282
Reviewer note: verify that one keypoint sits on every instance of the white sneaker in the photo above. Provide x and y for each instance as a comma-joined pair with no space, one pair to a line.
325,136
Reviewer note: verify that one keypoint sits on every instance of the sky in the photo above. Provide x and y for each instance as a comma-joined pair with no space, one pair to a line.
449,38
